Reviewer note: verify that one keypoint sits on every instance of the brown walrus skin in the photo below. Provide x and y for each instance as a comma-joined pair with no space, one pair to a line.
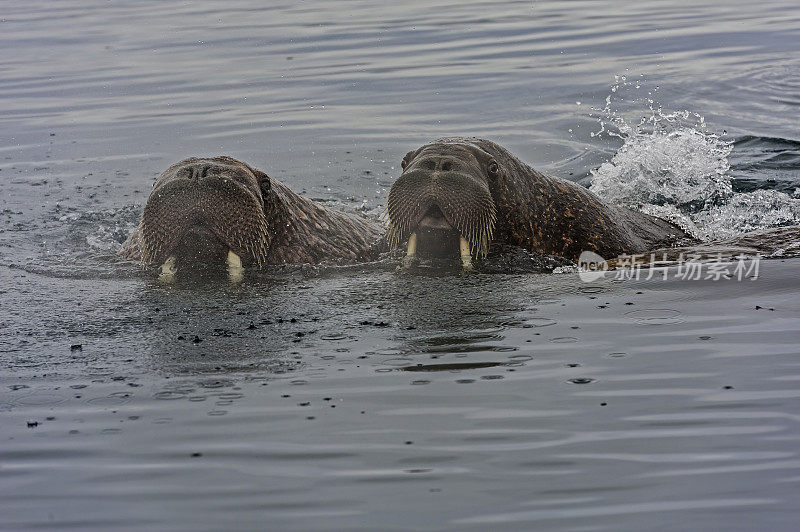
485,194
202,208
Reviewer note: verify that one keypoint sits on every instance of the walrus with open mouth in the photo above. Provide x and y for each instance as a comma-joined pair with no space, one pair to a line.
221,210
461,195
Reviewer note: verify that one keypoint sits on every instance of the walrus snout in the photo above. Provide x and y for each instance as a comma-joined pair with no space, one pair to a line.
205,211
442,204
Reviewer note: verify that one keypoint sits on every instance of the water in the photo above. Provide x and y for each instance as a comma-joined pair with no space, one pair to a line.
344,399
670,166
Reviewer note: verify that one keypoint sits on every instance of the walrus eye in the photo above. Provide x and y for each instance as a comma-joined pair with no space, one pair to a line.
493,169
265,184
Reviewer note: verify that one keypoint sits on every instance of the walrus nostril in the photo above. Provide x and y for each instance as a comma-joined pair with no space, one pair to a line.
446,166
200,171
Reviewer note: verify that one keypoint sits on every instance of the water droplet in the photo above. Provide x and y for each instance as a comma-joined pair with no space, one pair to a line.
541,322
169,395
563,339
655,316
40,399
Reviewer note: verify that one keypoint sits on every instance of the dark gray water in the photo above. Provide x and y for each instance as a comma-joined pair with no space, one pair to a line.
343,399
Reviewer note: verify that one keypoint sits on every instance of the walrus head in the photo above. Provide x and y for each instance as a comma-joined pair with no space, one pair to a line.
206,210
442,197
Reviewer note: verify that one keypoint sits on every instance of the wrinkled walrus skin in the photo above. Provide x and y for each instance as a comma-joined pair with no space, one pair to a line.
487,195
202,208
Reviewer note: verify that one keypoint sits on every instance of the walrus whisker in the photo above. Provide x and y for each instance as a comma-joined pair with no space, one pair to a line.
413,196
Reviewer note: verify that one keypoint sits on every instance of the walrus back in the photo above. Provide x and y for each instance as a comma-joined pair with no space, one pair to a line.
653,232
555,216
308,232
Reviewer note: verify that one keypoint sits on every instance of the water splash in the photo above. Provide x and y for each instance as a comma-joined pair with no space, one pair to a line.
83,244
670,166
749,211
100,231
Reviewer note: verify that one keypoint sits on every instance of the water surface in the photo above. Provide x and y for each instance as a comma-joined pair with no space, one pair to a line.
347,399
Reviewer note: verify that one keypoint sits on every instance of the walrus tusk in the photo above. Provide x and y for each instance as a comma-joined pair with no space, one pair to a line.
411,253
235,269
412,245
466,256
168,270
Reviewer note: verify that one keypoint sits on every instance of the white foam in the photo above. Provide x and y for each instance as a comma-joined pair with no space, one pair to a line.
749,211
675,168
671,167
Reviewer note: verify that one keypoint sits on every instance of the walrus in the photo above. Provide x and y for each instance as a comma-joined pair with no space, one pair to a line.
461,195
221,210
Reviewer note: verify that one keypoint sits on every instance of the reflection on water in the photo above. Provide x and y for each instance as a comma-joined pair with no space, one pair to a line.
335,391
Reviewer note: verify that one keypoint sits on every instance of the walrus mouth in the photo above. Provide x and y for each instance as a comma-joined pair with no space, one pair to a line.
204,221
416,204
434,218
